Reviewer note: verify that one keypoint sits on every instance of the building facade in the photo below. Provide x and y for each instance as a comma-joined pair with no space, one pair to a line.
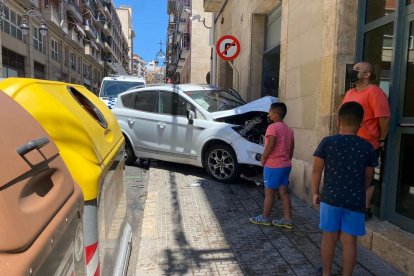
188,42
138,66
299,51
81,45
154,73
125,17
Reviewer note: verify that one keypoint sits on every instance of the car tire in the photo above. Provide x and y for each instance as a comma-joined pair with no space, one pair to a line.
129,154
221,164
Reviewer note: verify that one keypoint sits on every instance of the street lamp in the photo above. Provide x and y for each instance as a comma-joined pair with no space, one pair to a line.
160,53
33,12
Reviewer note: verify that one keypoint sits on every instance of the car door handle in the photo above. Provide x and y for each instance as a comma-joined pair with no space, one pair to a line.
131,122
161,125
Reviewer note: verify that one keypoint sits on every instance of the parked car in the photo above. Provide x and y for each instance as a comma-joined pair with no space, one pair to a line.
111,87
199,125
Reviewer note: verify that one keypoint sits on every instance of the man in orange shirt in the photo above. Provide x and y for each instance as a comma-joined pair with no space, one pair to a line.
377,113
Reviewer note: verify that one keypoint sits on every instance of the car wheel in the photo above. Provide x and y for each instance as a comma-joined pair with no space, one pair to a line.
221,163
129,154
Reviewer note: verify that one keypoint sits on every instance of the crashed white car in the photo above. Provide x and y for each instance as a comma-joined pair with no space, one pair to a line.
199,125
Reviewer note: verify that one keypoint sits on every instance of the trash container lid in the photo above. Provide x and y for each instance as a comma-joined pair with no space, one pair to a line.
83,128
34,181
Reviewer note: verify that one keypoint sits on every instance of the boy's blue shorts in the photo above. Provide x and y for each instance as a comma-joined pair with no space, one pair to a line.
334,219
276,177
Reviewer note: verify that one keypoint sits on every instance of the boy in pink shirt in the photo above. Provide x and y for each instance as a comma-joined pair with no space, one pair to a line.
276,160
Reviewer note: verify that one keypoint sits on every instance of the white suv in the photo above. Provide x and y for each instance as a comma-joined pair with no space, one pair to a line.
199,125
111,87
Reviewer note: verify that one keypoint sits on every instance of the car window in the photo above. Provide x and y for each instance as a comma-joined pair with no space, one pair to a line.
127,100
145,101
173,104
216,100
111,88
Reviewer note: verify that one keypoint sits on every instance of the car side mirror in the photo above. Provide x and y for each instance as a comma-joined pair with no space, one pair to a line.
190,116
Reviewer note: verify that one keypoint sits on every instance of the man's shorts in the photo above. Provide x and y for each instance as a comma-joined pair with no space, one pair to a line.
276,177
334,219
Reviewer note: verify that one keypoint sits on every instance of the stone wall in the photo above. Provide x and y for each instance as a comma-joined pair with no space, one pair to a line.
317,40
200,43
246,21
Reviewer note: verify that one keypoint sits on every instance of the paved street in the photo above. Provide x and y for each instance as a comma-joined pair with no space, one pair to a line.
194,226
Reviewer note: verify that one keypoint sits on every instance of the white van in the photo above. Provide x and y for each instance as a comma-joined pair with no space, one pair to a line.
111,87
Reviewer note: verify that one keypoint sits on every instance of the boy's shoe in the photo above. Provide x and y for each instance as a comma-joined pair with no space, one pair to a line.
283,223
368,214
261,220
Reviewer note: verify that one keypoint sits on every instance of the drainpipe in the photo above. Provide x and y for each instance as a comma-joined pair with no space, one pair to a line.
237,75
213,74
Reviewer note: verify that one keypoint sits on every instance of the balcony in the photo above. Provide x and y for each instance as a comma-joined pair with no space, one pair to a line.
107,11
75,39
54,19
74,10
171,6
99,5
87,4
182,26
91,52
106,29
213,5
185,46
98,42
89,29
107,46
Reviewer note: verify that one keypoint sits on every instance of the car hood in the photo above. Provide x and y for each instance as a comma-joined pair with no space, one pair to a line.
262,104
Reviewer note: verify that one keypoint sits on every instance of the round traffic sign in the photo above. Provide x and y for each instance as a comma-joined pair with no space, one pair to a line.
228,47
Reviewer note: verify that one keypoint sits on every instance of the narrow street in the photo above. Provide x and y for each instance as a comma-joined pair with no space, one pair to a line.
191,225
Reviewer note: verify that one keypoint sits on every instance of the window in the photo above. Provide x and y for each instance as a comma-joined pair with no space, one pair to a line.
11,22
55,50
173,104
37,40
79,65
72,61
14,64
39,70
378,49
376,9
66,56
145,101
127,100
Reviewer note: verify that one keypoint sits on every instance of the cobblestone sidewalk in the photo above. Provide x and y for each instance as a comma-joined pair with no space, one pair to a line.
195,226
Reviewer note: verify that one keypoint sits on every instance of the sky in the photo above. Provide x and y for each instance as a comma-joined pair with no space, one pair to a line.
150,21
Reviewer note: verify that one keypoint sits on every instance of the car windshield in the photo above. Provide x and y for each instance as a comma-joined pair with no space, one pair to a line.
112,88
216,100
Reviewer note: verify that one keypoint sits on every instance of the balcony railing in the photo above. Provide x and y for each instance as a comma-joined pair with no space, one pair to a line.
52,16
185,41
89,29
74,10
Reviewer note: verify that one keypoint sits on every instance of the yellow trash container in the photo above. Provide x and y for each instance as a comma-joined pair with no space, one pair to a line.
91,144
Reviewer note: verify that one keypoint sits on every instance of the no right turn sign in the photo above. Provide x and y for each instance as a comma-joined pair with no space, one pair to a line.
228,47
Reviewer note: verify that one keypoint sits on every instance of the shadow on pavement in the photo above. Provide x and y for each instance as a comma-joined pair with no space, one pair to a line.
255,250
184,259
